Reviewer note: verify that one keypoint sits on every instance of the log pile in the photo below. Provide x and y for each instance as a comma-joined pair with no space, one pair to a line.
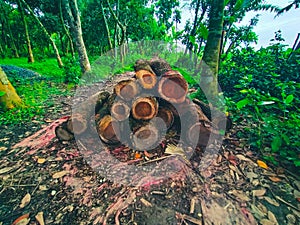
144,110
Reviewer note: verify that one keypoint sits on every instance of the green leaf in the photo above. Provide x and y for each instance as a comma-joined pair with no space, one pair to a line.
285,138
297,162
242,103
2,93
265,103
276,143
289,99
244,91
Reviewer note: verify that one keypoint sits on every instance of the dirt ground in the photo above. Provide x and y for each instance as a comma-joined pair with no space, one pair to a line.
60,182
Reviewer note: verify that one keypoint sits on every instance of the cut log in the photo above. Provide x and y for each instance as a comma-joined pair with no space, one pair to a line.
146,79
120,111
173,87
126,89
62,133
144,108
167,116
77,124
143,64
145,138
160,66
198,134
109,130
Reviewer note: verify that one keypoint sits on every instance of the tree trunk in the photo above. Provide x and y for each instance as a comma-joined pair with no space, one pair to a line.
29,49
144,108
8,95
58,58
107,28
65,28
75,25
126,89
12,41
209,76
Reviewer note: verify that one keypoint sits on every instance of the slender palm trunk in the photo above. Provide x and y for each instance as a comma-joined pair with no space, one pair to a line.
58,58
28,43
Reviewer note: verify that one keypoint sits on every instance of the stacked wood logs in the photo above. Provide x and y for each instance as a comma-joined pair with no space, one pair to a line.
141,111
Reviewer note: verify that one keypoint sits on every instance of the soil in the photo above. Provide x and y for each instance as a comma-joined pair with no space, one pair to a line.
60,181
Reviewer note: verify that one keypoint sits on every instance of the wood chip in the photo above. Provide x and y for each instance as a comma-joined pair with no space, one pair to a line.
271,201
266,222
22,220
240,194
259,193
40,218
145,202
6,170
272,217
25,201
60,174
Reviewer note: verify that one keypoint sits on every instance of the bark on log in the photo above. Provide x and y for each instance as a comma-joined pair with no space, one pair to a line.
109,130
126,89
145,137
144,108
160,66
120,111
198,134
173,87
146,79
62,133
143,64
77,124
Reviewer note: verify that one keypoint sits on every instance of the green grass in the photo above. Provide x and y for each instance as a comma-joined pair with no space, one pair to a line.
37,95
47,68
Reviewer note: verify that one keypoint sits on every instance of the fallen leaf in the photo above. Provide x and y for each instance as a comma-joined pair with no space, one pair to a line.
259,193
266,222
243,158
41,160
60,174
26,199
240,194
43,188
251,175
271,201
257,212
40,218
272,217
137,155
3,149
275,179
6,170
145,202
262,164
22,220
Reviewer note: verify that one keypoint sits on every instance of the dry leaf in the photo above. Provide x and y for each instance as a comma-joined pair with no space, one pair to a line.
251,175
243,158
271,201
259,193
40,218
3,149
41,160
26,199
257,212
146,203
266,222
6,170
240,194
60,174
22,220
272,217
262,164
275,179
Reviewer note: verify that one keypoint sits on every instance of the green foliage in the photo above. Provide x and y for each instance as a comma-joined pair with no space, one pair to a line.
2,93
72,72
266,97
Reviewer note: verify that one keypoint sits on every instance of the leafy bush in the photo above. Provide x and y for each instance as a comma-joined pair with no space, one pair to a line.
71,71
266,95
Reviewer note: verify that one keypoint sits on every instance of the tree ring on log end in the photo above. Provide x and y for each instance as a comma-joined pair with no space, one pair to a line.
144,108
198,134
145,138
147,80
108,130
126,89
173,87
120,111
